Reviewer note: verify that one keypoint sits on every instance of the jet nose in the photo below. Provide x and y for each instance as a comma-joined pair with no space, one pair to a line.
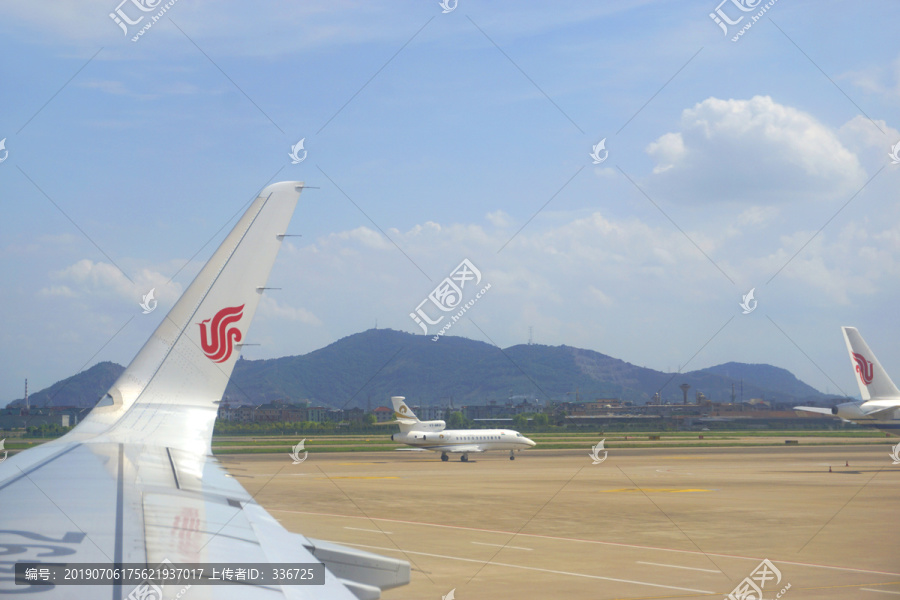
530,442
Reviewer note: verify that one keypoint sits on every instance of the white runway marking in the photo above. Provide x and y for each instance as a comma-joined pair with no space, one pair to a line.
502,546
512,566
882,591
371,530
583,541
640,562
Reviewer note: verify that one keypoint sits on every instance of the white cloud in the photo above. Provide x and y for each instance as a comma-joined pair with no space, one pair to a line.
756,150
758,215
668,150
363,236
870,140
87,277
58,290
498,218
270,308
883,81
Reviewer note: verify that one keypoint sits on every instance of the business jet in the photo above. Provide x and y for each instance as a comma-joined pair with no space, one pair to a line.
136,482
880,406
431,435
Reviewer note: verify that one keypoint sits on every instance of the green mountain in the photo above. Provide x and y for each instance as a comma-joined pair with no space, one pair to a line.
366,368
81,390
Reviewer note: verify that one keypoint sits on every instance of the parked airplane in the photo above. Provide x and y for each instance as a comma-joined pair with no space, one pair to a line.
431,435
136,482
880,404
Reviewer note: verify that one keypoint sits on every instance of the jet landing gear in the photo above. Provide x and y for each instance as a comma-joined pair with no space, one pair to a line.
511,455
444,457
464,458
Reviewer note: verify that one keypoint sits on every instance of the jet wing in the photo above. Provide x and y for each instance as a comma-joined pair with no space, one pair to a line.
135,482
883,413
402,421
457,449
815,409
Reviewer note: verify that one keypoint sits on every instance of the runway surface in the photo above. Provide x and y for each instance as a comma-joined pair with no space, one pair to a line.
645,523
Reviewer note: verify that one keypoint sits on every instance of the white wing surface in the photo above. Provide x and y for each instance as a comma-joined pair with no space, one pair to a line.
136,482
456,449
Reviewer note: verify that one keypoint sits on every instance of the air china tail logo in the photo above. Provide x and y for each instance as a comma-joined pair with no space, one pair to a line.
863,367
217,339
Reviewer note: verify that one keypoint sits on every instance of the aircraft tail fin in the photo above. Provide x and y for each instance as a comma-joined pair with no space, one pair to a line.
874,382
403,414
169,394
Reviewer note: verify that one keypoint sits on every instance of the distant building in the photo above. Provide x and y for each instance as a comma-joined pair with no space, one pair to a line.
487,411
430,413
596,407
319,414
382,414
270,413
273,412
354,415
21,419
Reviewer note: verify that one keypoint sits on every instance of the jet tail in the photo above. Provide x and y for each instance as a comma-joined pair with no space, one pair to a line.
404,415
874,383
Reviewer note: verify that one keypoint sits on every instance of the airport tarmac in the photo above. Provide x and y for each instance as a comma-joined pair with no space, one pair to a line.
644,523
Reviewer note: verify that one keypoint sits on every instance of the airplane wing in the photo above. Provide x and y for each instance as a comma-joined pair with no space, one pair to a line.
457,449
136,482
815,409
882,413
398,422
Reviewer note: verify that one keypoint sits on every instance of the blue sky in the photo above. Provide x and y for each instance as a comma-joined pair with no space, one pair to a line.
436,137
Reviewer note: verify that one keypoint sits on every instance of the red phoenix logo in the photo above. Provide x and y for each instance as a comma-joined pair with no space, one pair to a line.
864,368
218,344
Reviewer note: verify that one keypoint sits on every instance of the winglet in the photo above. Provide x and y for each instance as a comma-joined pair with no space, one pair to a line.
169,393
